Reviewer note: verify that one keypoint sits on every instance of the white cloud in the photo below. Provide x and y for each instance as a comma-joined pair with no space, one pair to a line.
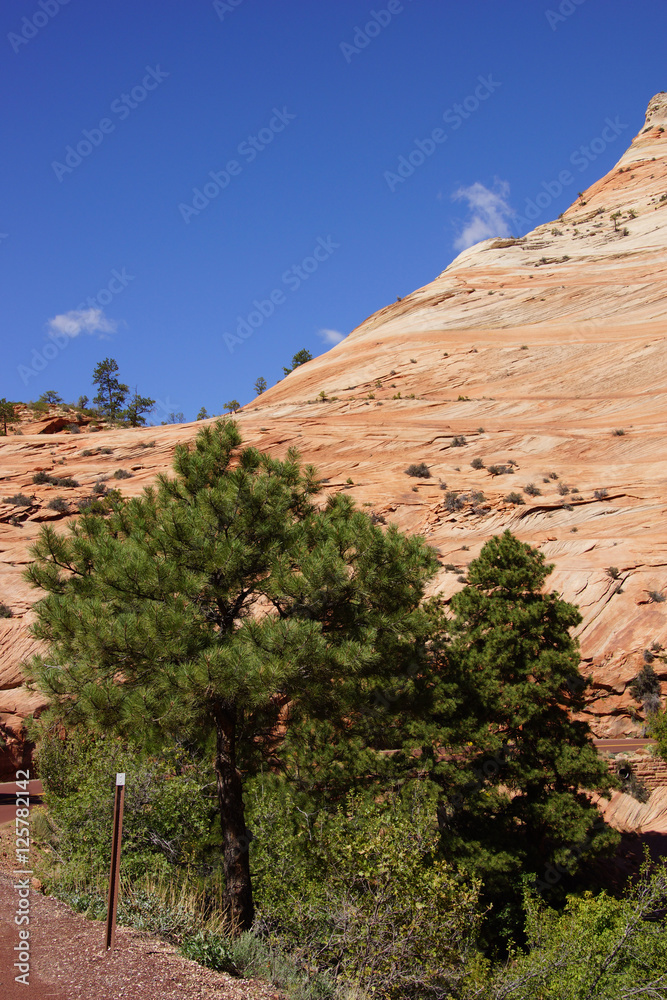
331,336
489,211
78,321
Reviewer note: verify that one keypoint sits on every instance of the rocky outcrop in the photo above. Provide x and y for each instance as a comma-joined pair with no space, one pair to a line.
533,366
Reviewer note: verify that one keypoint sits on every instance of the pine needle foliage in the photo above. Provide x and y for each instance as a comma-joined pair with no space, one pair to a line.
220,606
516,796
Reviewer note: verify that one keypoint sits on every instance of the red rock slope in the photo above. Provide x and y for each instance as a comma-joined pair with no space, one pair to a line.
538,350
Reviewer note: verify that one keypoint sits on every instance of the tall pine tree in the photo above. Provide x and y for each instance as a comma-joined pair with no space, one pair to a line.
219,606
518,789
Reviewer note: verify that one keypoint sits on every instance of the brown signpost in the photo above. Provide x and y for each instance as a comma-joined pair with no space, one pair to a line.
115,860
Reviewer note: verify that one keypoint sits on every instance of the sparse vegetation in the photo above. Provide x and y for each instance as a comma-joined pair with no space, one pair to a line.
601,494
458,441
645,688
300,358
619,432
421,470
613,572
453,501
655,596
563,489
515,498
500,470
477,463
122,474
5,610
532,490
59,504
18,500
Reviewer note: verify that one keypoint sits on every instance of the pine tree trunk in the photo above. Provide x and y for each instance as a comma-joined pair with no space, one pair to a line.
235,837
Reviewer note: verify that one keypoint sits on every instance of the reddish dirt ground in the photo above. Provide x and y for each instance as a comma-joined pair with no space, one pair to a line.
68,960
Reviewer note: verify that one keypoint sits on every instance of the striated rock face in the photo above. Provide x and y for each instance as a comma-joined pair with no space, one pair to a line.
548,352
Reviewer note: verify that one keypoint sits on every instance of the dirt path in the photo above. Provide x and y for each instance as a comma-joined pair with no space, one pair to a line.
68,962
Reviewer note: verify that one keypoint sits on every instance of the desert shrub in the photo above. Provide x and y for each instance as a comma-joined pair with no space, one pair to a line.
477,463
378,518
500,470
514,498
422,471
74,428
619,432
168,807
147,444
18,500
563,489
656,596
41,477
613,572
5,610
453,501
645,688
601,494
59,504
87,452
597,947
553,475
458,441
122,474
451,568
108,451
363,893
532,490
212,950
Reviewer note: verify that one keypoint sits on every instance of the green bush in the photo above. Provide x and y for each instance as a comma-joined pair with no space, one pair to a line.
421,471
599,947
5,610
363,893
18,500
168,808
59,504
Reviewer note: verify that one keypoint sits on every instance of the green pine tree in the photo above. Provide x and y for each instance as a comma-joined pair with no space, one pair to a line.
135,409
111,393
300,358
7,412
518,796
219,606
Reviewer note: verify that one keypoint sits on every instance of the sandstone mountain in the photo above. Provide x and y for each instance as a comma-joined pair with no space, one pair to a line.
531,369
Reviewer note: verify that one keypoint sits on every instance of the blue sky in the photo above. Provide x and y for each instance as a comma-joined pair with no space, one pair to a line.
201,189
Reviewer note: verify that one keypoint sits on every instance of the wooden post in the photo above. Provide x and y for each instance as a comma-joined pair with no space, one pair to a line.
115,860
